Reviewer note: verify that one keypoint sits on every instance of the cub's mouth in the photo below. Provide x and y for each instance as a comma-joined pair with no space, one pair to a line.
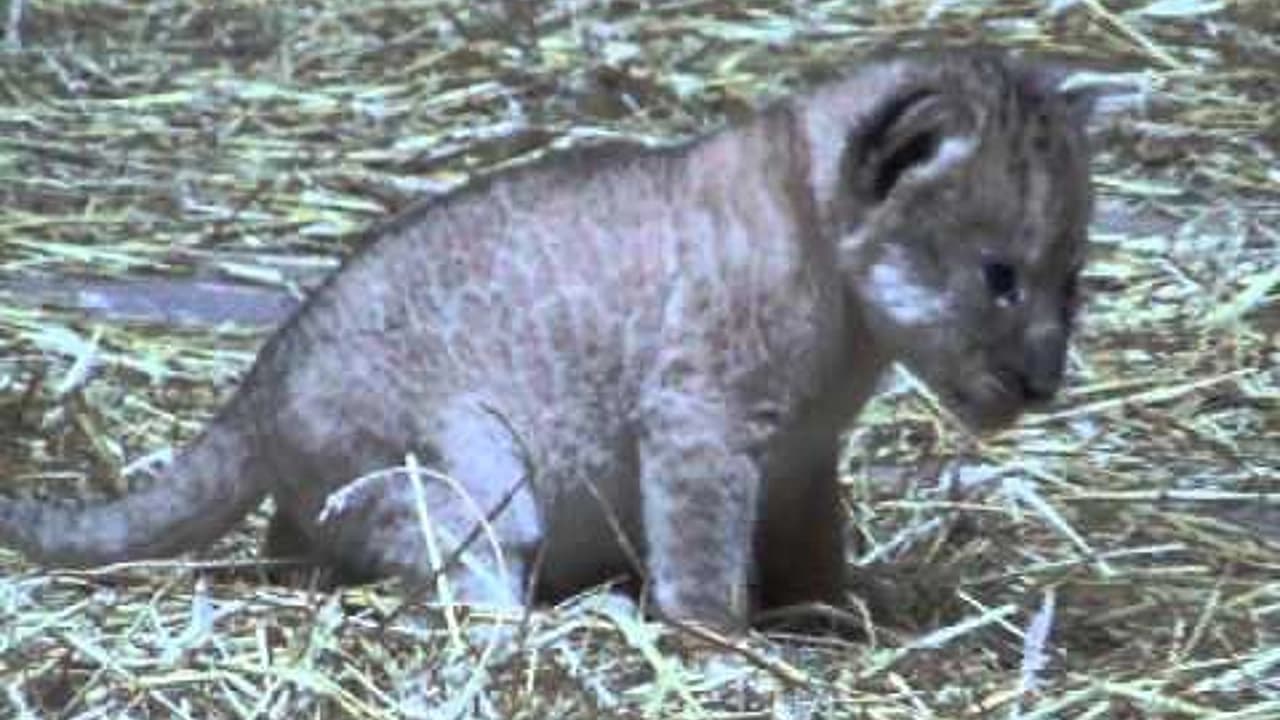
987,402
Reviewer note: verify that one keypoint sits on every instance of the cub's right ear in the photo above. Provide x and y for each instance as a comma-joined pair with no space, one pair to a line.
1080,91
1093,97
914,137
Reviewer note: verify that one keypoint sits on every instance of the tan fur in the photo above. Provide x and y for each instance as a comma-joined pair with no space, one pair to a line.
642,360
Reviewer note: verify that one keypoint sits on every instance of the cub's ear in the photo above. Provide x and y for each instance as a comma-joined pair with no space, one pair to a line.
1079,90
1096,97
914,136
1082,101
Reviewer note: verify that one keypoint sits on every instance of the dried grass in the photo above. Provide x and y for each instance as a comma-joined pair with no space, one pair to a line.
1116,558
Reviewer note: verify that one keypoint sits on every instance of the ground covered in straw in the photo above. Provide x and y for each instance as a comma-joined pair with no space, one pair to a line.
1118,557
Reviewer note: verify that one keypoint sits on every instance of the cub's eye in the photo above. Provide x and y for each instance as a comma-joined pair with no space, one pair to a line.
1002,282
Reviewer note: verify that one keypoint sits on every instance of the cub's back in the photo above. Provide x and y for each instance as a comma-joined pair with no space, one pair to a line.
550,283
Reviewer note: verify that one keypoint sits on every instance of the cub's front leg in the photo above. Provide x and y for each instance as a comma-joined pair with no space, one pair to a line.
700,487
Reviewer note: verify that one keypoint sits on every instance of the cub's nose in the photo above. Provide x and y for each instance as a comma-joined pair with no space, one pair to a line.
1043,365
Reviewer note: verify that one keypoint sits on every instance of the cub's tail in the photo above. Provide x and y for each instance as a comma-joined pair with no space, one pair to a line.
206,490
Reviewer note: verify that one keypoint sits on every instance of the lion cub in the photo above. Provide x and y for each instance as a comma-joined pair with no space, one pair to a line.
642,360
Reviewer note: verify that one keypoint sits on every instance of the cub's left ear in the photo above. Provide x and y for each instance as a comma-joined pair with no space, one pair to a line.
912,137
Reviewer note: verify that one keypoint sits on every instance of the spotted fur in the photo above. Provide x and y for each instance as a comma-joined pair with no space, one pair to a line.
641,360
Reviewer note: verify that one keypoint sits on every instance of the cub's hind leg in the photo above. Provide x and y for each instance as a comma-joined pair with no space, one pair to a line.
446,513
304,562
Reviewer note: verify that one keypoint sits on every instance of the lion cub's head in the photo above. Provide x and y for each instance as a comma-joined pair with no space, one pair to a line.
958,189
